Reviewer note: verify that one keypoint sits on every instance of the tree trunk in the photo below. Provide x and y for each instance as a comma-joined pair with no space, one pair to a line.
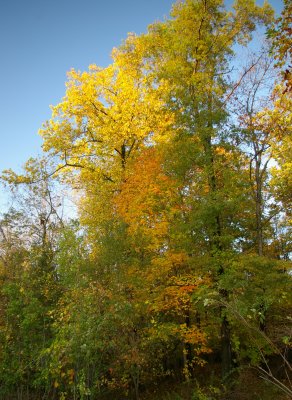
226,356
258,198
216,244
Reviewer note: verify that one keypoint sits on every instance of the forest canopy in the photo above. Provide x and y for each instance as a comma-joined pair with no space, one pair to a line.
174,279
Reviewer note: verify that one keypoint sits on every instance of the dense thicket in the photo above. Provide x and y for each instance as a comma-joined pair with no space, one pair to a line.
177,271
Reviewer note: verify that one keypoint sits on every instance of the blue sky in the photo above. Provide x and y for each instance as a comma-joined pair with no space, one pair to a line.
43,39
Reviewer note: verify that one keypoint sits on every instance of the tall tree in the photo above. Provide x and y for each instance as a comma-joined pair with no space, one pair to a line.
191,52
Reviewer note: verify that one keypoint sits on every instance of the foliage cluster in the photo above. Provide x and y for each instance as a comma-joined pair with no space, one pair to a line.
179,260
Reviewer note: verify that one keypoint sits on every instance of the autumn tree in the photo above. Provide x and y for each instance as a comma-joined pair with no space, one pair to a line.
183,52
180,249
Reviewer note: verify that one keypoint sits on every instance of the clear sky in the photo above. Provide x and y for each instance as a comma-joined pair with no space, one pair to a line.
40,40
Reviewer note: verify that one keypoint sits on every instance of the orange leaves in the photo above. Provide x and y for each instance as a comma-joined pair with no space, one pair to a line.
193,335
145,196
106,117
174,301
176,297
188,288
